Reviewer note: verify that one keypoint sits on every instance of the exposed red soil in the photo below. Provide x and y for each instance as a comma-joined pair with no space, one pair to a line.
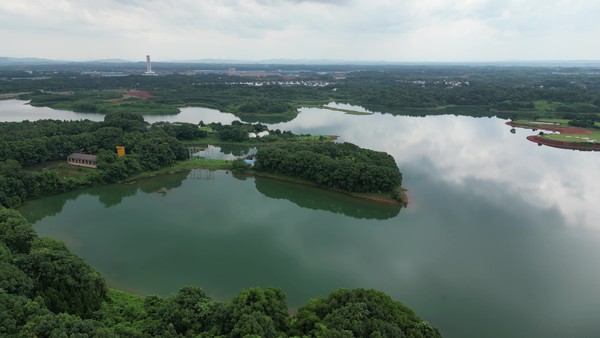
138,94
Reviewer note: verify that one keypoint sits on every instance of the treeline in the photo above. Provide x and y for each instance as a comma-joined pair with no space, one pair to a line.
100,102
239,132
584,120
84,93
393,89
486,87
343,166
46,291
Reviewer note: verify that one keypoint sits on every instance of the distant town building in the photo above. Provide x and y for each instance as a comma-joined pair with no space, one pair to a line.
83,160
149,66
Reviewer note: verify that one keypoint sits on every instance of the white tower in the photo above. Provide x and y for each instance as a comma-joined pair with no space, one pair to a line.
148,66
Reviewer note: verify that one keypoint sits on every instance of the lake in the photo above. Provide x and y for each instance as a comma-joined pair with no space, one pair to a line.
501,237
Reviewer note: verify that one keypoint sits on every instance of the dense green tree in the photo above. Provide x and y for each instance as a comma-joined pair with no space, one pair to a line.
63,280
365,313
14,281
15,232
15,313
180,130
261,310
109,137
127,122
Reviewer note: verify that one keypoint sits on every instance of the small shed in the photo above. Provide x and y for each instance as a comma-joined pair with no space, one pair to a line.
82,160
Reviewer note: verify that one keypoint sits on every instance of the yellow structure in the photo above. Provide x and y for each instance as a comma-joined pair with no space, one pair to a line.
120,151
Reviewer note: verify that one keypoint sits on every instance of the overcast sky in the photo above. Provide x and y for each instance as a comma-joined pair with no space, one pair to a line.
365,30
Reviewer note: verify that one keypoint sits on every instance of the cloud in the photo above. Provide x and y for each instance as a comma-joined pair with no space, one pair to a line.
326,2
432,30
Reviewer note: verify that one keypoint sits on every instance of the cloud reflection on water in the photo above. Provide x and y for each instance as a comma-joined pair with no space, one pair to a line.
455,149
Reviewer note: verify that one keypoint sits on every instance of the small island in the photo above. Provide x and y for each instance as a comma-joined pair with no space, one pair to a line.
343,167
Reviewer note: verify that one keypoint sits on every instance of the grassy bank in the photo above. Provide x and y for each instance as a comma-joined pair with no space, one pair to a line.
63,169
200,163
594,137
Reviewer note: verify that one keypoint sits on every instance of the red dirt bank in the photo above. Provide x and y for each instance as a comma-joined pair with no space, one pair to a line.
559,144
139,94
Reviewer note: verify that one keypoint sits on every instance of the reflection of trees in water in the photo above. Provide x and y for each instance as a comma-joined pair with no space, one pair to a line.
35,211
320,199
163,182
109,195
236,150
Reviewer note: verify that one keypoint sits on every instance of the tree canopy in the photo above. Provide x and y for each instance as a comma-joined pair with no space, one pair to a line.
343,166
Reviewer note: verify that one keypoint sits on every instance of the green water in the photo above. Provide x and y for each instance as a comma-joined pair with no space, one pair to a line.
500,239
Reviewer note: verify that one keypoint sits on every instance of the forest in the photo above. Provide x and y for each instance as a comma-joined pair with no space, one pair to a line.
26,144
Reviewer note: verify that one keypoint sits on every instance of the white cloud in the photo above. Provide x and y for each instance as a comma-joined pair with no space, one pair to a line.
427,30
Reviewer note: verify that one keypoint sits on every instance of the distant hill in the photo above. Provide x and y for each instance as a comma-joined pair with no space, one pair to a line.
27,61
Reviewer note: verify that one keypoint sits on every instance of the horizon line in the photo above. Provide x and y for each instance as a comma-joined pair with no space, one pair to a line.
300,61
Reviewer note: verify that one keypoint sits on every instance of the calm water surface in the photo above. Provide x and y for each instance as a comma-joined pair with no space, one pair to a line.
19,110
501,237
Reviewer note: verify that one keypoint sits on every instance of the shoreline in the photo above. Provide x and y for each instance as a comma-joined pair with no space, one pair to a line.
583,146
